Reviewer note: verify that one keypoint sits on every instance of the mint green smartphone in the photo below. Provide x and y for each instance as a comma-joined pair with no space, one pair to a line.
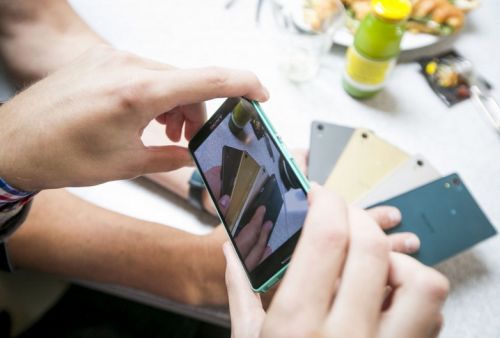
264,238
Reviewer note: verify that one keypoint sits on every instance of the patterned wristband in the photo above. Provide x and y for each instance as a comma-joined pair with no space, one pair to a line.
11,198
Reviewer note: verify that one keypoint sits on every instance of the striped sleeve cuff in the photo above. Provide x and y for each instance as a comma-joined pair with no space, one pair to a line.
11,199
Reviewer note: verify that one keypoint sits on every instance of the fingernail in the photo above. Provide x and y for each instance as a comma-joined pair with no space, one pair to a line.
268,225
224,201
395,216
266,93
412,244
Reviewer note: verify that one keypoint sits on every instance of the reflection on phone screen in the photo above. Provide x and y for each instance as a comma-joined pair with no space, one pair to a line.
258,195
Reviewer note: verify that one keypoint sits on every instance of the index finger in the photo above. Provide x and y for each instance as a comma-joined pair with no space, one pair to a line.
361,292
310,282
248,236
180,87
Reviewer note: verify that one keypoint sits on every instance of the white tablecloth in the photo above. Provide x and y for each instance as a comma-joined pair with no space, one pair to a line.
407,113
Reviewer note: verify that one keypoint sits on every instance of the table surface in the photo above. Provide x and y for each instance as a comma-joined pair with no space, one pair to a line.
406,113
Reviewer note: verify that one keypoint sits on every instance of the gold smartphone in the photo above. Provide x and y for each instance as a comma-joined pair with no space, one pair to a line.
247,173
365,161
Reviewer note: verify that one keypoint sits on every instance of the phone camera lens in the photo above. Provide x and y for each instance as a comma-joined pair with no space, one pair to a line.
364,135
320,127
456,181
420,163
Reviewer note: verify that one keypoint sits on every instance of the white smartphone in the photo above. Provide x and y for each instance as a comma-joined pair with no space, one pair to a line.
413,173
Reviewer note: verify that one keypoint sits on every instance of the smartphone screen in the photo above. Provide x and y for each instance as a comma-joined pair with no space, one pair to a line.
250,178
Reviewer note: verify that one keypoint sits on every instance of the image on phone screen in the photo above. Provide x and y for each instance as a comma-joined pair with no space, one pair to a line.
258,196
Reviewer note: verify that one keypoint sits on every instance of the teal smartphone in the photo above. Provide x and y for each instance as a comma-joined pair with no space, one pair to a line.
444,215
271,180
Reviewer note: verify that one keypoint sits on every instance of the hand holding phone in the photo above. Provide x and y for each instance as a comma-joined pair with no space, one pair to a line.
326,293
271,213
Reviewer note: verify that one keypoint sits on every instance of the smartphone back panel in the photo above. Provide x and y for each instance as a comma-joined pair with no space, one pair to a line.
365,161
327,143
412,174
445,217
247,173
231,158
259,181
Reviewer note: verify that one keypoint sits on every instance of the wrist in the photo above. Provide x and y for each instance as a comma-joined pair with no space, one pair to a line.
12,168
18,182
180,266
210,277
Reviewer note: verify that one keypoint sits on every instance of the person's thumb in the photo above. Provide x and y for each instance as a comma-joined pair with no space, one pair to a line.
245,306
166,158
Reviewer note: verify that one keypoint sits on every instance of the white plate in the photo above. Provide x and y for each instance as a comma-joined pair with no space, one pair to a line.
410,41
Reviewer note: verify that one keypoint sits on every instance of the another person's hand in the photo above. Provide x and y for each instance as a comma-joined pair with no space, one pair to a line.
82,125
343,281
252,239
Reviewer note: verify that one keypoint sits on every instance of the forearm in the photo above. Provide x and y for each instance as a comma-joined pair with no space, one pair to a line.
38,37
66,236
178,182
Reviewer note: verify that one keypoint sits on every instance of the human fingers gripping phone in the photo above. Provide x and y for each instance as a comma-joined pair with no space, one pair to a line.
360,289
259,193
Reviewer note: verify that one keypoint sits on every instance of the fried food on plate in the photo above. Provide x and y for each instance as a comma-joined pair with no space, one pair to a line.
439,17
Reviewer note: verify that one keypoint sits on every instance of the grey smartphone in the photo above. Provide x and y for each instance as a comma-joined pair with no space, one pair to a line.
444,215
327,143
413,173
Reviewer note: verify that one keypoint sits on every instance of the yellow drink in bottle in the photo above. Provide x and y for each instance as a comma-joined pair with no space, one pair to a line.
376,47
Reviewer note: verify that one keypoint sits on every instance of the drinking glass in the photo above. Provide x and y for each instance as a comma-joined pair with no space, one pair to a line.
301,32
